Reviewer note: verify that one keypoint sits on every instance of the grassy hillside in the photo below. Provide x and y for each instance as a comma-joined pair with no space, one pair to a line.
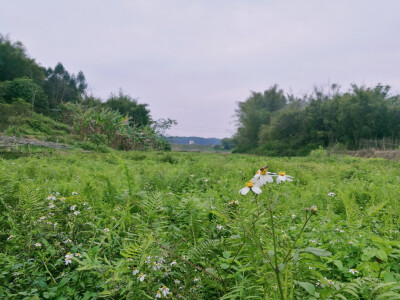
19,120
130,225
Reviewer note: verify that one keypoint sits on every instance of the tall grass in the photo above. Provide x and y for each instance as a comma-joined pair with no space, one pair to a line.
174,218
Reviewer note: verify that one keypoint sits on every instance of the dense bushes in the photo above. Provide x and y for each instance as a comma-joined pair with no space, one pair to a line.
26,89
278,124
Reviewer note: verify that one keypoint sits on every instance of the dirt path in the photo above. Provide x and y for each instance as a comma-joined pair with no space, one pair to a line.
11,142
372,153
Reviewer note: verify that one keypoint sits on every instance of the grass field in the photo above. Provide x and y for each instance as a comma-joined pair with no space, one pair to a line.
135,225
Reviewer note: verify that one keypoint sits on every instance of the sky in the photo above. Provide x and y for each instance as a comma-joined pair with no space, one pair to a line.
193,61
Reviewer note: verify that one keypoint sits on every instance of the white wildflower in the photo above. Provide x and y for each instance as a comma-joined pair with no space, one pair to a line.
141,277
262,177
51,197
283,177
164,290
250,186
156,266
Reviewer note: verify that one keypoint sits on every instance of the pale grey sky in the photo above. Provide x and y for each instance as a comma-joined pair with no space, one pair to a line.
192,61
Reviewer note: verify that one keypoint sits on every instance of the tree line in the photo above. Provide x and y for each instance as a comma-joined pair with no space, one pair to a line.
277,123
62,95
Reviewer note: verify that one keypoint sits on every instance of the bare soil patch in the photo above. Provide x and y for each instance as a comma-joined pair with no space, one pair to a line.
374,153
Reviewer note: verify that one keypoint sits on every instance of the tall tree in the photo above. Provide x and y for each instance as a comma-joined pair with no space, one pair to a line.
138,113
255,112
15,63
62,87
26,89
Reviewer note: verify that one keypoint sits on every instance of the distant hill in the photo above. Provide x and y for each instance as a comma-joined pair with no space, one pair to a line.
193,140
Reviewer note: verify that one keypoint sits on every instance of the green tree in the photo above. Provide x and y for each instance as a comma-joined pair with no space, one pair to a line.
138,113
62,87
228,143
255,112
27,89
15,63
363,114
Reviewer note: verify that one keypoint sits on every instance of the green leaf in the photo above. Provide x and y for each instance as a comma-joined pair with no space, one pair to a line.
338,264
281,267
88,295
368,253
317,251
224,266
270,254
226,254
211,270
64,281
309,287
381,254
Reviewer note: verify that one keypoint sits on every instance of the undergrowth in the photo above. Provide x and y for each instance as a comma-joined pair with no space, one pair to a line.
130,225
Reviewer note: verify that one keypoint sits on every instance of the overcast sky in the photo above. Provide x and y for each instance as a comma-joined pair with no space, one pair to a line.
192,61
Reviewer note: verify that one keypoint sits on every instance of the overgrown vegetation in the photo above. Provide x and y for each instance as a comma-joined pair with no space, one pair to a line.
275,123
17,119
120,122
135,225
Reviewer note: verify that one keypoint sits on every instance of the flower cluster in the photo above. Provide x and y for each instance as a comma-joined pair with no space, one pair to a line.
163,270
233,202
262,177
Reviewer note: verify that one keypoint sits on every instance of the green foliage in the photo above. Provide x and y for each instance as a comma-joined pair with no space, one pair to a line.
138,114
119,123
297,126
104,126
228,143
26,89
18,119
255,112
15,63
139,210
63,87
